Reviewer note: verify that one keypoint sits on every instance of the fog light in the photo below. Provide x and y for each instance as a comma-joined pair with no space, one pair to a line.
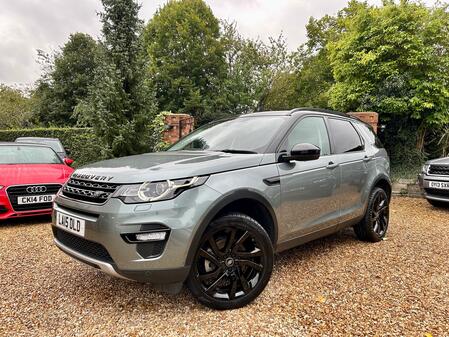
153,236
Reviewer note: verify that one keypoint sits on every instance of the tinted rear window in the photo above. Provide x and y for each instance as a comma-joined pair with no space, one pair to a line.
345,137
371,135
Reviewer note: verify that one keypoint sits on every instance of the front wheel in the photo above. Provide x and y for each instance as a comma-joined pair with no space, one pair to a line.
233,263
374,225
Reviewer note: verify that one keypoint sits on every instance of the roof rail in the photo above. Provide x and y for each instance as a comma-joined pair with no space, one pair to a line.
320,110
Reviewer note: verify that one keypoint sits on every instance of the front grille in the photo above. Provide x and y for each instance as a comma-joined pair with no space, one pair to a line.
14,192
83,246
442,170
437,192
91,191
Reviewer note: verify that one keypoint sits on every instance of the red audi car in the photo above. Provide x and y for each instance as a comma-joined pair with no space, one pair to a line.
30,177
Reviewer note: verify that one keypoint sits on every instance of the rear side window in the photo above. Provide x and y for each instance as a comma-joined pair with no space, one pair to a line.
345,137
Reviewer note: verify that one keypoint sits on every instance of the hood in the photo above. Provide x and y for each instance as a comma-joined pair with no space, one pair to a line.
20,174
166,165
440,161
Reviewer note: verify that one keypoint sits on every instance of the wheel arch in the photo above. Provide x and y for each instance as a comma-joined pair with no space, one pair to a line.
238,201
383,182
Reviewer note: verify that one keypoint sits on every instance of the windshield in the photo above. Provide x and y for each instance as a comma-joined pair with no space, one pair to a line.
245,135
54,144
22,154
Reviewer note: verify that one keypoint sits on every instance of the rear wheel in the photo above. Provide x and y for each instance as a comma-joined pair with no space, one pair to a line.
437,203
374,225
233,263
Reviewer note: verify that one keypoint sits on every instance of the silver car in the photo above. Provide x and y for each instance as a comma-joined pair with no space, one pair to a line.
54,143
213,209
434,181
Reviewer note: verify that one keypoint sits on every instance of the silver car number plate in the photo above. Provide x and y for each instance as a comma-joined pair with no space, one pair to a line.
70,223
439,184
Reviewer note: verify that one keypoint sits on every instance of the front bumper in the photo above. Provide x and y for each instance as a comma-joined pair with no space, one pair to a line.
432,193
105,224
7,212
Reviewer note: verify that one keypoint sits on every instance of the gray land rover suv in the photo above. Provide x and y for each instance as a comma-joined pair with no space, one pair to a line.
213,209
434,181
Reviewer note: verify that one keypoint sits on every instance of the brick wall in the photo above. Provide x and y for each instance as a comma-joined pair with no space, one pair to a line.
177,126
372,118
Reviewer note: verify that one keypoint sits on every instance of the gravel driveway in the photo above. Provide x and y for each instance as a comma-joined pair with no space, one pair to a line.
333,286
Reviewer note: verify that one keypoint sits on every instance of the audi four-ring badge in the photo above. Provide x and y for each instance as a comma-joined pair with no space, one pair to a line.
213,209
30,177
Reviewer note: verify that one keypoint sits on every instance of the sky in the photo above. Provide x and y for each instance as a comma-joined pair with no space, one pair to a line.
29,25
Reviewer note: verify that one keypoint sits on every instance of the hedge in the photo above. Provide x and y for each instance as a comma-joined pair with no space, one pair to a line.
81,142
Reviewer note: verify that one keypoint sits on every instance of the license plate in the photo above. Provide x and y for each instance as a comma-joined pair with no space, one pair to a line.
35,199
70,223
439,184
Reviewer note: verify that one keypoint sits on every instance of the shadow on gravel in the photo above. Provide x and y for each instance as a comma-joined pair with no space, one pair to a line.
322,246
32,220
106,291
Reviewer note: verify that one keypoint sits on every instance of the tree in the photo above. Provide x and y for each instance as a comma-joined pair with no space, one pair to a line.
309,76
15,108
66,79
282,94
394,59
186,57
120,105
253,68
314,72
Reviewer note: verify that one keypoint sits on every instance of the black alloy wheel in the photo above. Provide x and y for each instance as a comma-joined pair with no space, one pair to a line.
380,213
233,263
374,225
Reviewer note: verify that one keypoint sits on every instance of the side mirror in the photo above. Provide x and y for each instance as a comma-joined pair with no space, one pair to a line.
303,152
68,161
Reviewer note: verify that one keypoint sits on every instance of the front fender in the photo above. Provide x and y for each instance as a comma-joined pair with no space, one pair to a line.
221,203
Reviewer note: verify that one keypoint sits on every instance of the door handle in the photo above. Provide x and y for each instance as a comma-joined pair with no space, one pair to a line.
332,165
368,158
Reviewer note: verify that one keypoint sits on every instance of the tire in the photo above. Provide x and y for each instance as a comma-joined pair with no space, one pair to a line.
233,263
439,204
374,225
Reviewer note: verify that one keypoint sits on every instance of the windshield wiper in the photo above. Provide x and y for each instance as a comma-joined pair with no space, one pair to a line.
237,151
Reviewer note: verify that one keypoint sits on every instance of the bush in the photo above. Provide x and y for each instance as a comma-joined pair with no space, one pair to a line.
81,142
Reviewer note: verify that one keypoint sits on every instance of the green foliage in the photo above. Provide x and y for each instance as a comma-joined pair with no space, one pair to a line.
442,136
282,94
313,79
186,57
66,80
314,72
157,129
255,72
394,59
81,142
120,105
310,74
15,108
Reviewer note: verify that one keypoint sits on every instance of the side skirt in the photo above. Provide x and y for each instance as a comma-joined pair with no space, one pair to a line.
315,235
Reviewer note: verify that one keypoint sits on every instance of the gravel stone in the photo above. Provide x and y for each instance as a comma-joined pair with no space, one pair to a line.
336,286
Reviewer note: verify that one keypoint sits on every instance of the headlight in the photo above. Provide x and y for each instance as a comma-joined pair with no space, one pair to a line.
1,187
156,191
425,168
